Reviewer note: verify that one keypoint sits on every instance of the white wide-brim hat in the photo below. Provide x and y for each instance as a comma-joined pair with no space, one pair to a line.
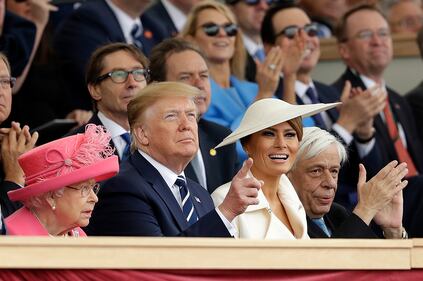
268,112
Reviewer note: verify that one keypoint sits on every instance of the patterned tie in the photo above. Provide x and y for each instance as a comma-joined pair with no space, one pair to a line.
127,151
136,34
403,155
259,54
322,225
187,205
318,119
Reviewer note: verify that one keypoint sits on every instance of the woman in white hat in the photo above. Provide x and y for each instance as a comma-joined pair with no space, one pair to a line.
270,132
60,184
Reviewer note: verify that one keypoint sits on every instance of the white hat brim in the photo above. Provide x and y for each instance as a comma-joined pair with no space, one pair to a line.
268,112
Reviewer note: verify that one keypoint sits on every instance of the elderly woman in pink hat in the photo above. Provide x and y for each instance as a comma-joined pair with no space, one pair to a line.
60,184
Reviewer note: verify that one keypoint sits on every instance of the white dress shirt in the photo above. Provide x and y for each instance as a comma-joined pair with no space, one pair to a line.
170,178
250,45
125,21
115,131
177,16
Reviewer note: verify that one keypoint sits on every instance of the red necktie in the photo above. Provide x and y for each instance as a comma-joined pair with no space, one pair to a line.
403,155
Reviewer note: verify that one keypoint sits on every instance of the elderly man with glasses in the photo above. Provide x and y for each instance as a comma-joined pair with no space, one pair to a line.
115,73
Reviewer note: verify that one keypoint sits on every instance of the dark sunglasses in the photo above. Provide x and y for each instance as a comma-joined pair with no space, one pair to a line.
290,31
120,76
212,29
250,2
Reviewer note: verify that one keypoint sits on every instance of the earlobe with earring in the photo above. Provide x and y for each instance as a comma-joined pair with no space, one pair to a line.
53,206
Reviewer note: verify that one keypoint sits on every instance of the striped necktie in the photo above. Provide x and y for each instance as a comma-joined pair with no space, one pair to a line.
127,150
322,225
311,94
187,206
136,34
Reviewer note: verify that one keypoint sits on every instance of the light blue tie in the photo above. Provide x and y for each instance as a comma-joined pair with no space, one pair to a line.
127,150
187,206
136,34
259,54
321,223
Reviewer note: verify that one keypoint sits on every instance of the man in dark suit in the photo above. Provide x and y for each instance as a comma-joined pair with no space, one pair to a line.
415,96
151,196
178,60
112,84
351,122
169,15
250,16
97,23
314,175
365,45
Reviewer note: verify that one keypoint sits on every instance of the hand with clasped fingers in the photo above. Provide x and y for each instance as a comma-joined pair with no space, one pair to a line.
380,198
242,193
14,142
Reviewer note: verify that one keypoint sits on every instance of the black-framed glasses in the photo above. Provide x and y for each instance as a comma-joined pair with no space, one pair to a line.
121,76
212,29
291,30
86,189
7,82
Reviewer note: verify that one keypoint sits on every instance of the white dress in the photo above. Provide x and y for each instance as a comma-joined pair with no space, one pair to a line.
259,222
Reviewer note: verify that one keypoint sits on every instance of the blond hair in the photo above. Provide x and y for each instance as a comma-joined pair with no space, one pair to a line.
238,60
148,96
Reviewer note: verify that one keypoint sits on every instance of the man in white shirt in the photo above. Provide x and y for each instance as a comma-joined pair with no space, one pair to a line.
115,73
151,195
250,14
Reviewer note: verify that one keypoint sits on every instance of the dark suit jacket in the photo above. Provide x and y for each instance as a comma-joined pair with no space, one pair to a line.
219,168
250,68
87,28
7,207
137,202
17,41
342,223
158,15
415,100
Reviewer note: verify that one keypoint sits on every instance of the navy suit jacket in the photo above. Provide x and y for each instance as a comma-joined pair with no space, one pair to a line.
158,15
342,223
220,168
92,25
138,202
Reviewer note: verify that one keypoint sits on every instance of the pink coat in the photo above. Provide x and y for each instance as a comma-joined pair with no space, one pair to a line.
24,223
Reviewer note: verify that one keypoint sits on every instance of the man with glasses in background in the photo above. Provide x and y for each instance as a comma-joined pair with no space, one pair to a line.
365,46
250,14
352,122
115,73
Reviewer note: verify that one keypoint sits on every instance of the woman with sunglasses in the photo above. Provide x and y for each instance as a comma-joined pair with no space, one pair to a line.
213,27
60,184
272,142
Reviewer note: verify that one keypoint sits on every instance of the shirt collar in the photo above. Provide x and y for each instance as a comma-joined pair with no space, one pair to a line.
178,17
250,45
368,82
125,21
112,127
301,88
168,175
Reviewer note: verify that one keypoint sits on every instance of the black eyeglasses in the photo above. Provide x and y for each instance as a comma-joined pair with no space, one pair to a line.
121,76
290,31
212,29
7,82
86,189
251,2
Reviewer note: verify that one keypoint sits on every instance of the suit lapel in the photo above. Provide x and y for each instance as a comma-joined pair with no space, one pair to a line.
156,181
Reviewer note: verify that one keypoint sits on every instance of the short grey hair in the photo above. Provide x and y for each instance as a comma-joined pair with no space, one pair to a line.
39,201
315,141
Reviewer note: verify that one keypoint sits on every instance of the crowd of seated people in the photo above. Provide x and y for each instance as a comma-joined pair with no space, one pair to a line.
217,74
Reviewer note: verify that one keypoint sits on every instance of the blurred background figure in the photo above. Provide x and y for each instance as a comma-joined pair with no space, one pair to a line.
325,13
60,184
404,16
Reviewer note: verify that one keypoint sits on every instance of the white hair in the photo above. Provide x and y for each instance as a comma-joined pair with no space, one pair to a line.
40,200
315,141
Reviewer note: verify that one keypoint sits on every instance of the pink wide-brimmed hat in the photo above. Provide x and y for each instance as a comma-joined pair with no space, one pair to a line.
67,161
